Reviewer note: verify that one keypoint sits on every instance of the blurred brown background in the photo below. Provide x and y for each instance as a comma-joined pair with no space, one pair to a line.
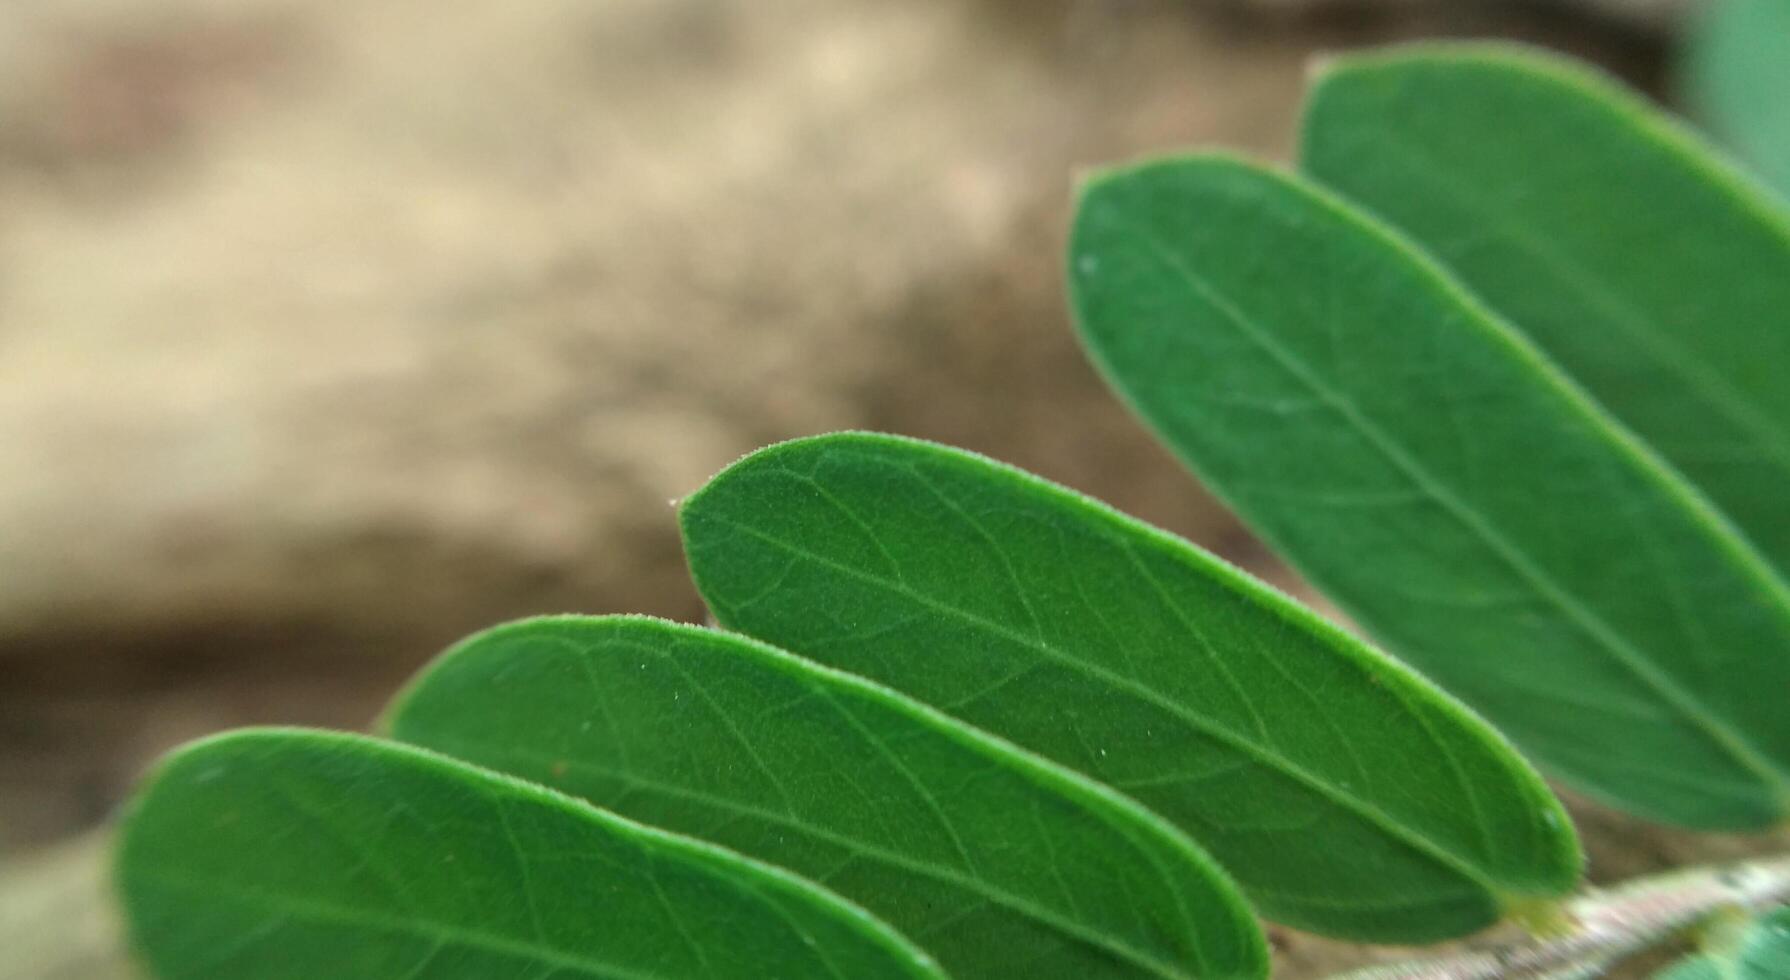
332,331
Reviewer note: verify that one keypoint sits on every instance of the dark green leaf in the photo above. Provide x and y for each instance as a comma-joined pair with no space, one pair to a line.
1657,277
1737,76
1345,794
1445,483
274,854
1756,950
997,862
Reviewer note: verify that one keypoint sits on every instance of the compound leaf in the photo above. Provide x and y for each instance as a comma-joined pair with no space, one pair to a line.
294,855
1453,491
1617,242
1344,794
1737,76
999,863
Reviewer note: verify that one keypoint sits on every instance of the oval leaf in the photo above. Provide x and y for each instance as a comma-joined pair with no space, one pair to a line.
1343,793
290,854
999,863
1618,243
1738,77
1444,483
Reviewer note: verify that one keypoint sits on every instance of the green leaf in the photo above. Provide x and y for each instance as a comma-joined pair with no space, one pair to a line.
1737,75
999,863
1343,793
1440,479
1618,243
1757,950
289,854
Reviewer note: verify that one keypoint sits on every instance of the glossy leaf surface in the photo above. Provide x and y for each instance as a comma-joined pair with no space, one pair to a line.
1440,479
1737,77
292,855
1759,950
1654,274
1343,793
996,862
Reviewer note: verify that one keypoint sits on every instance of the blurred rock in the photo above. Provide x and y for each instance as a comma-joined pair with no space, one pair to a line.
394,318
1653,17
56,916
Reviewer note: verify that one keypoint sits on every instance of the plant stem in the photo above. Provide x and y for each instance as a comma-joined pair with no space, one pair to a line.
1605,925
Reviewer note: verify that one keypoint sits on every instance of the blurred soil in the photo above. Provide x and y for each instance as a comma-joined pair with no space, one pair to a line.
330,332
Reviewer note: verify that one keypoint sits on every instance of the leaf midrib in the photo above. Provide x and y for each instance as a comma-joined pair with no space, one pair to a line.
855,846
1416,840
1688,705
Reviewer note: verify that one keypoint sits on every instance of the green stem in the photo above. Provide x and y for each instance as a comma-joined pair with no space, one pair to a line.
1605,925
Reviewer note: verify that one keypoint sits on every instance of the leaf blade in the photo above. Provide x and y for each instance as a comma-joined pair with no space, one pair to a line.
286,853
996,597
1528,553
1757,949
1616,241
932,825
